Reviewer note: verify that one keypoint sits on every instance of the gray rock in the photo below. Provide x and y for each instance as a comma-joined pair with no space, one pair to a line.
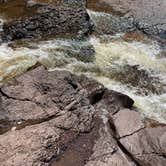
49,20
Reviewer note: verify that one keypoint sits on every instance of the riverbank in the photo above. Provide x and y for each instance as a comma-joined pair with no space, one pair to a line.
62,97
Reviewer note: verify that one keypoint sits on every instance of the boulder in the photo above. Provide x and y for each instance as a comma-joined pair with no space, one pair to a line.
49,20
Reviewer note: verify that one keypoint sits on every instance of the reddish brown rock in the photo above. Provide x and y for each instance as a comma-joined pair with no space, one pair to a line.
127,122
40,106
34,145
147,146
106,150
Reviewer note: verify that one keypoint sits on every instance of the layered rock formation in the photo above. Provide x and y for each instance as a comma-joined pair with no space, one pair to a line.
59,119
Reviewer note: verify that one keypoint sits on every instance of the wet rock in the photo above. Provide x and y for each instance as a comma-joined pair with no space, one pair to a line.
110,97
136,76
64,20
146,144
149,16
125,101
97,93
111,24
79,156
135,36
30,101
94,89
45,108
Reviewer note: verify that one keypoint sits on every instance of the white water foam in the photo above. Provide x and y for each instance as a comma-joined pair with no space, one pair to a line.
110,55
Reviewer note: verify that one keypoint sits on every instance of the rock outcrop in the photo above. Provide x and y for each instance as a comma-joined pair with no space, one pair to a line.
59,119
149,15
46,19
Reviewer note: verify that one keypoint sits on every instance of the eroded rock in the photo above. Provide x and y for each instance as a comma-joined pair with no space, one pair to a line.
45,103
44,19
127,122
149,16
59,119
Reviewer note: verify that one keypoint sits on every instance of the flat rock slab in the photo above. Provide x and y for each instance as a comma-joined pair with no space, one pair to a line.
60,119
148,145
127,122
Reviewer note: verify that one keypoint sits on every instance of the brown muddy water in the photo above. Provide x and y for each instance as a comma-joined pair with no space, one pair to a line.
101,6
130,63
13,9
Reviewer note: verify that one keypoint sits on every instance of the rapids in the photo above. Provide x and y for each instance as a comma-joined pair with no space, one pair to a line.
135,68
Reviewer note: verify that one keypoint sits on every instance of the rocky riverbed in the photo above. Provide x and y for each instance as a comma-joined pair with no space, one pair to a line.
61,66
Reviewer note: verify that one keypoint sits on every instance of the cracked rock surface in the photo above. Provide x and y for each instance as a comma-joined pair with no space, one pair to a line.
60,119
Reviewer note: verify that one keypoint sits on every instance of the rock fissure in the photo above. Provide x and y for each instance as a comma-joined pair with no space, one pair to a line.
132,133
35,122
59,119
121,146
13,98
149,154
18,125
126,152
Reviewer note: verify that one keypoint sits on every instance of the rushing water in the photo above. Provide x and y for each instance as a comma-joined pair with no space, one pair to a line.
134,68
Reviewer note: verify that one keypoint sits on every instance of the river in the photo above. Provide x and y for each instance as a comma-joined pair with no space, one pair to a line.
135,67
